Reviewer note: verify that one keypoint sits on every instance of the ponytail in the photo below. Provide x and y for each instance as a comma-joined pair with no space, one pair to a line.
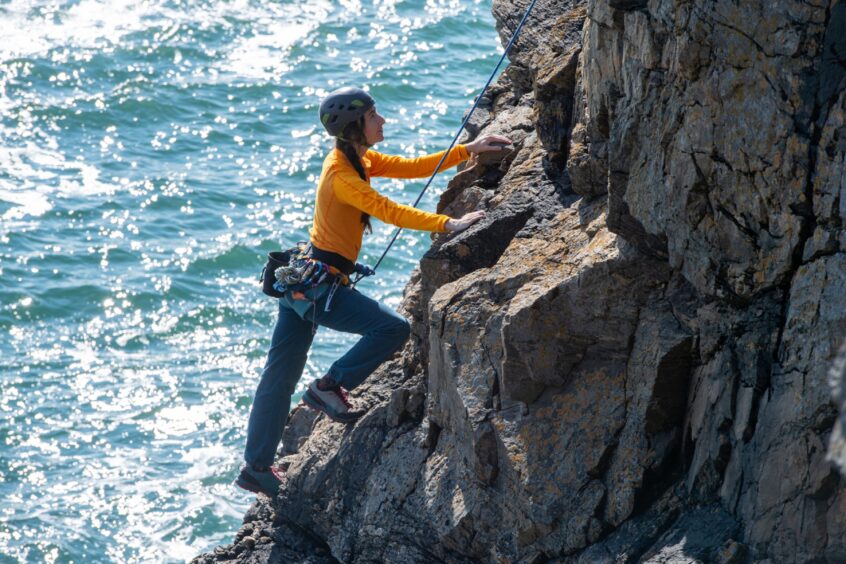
346,143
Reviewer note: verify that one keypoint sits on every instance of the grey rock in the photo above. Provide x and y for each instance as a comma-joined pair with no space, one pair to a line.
629,541
837,379
677,131
693,537
299,425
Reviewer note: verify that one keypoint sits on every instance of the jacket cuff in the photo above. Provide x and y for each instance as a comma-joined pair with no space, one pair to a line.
442,223
463,152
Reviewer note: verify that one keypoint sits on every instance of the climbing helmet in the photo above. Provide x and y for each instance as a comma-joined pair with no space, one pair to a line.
342,107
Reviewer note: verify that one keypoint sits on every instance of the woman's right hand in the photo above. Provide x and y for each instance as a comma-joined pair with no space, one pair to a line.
456,225
488,143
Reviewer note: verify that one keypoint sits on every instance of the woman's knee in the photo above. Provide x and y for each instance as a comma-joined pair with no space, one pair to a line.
402,330
393,326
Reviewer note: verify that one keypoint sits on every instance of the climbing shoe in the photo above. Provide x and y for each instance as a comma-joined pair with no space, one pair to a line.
330,398
265,480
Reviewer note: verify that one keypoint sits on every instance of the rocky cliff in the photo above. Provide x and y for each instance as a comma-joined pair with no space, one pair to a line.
628,360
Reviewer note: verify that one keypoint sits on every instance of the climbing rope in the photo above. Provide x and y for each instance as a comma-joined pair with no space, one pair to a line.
455,138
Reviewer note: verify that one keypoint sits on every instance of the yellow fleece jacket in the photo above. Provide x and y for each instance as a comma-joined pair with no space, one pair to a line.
342,196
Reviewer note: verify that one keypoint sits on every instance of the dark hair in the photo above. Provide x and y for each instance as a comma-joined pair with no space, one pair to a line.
353,135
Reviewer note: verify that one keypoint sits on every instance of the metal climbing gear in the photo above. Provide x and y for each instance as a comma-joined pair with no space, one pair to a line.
299,269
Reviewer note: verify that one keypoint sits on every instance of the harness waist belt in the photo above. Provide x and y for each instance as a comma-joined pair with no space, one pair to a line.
333,259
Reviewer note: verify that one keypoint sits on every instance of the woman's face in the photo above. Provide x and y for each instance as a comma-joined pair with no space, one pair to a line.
373,123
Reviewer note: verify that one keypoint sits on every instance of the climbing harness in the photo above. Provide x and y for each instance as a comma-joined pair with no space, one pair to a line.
303,268
455,138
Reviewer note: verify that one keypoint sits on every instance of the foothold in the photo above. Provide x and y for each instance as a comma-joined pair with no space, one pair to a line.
243,532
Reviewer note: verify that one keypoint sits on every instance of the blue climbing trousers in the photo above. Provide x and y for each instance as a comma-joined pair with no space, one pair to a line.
383,332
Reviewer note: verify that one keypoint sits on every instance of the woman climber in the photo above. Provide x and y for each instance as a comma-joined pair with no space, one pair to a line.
343,207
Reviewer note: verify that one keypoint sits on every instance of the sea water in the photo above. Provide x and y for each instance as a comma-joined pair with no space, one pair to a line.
151,153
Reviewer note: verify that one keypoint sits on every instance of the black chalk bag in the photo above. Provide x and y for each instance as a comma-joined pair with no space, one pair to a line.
275,259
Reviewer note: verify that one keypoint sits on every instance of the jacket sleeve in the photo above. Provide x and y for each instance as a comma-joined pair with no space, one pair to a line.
355,192
392,166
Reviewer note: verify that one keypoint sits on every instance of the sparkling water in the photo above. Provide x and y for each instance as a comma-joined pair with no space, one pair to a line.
151,154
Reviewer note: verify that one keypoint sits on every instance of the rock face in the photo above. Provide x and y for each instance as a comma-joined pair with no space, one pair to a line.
837,448
628,359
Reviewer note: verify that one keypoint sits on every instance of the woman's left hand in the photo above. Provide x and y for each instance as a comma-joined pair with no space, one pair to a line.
455,225
488,143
